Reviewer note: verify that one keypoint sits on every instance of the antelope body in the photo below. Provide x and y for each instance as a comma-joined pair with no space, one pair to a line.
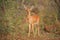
32,20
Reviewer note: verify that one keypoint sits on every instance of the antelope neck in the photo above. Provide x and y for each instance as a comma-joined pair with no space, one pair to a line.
29,14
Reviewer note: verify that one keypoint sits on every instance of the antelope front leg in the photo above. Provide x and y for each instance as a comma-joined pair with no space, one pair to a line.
38,30
33,29
29,30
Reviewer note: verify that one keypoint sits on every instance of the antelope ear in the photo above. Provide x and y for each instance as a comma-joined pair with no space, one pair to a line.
31,7
25,7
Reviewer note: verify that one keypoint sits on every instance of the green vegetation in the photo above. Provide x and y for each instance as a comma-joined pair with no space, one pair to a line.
13,22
